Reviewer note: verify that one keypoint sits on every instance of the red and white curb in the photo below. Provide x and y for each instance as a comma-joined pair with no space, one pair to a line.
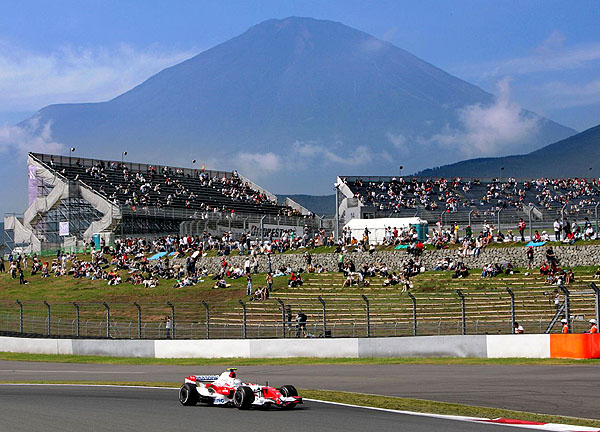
500,421
524,424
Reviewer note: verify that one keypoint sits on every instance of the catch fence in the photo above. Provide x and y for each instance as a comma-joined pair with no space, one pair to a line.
351,316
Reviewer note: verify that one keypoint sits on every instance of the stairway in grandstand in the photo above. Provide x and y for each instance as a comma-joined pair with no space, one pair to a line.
438,307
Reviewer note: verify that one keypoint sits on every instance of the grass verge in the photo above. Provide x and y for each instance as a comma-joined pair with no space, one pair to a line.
387,402
8,356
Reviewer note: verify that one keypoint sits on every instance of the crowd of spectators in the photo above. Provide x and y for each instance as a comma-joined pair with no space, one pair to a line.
451,195
163,186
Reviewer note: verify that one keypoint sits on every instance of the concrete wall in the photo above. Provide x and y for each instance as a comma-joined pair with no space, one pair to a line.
423,346
532,346
482,346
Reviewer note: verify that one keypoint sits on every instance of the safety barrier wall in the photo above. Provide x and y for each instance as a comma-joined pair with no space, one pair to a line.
482,346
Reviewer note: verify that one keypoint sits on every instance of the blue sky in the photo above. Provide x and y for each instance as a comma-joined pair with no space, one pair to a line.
544,55
74,51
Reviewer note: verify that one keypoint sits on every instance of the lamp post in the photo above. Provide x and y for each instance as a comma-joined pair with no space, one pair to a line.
400,168
192,166
72,149
337,211
123,158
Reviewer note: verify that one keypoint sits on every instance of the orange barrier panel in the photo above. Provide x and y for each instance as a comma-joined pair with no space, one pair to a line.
579,346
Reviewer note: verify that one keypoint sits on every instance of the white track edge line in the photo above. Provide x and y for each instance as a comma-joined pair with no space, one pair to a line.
548,426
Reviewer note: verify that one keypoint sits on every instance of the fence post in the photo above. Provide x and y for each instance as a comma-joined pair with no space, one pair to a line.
414,307
597,295
244,328
464,314
20,316
107,319
529,210
512,309
207,319
499,211
567,305
364,297
324,320
48,324
262,237
139,319
76,319
282,315
596,214
470,213
172,319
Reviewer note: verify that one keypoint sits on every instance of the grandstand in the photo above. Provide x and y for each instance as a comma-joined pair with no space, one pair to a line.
73,201
465,200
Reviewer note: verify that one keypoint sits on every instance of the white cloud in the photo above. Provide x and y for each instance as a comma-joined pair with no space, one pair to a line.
567,95
30,137
343,156
551,55
258,165
30,80
493,130
398,140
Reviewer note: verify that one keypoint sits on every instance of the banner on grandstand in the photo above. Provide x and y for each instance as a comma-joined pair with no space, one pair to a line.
33,184
63,229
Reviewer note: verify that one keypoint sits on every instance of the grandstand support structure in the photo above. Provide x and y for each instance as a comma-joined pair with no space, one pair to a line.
62,213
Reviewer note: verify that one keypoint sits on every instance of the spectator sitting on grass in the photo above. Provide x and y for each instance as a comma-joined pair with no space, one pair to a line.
461,271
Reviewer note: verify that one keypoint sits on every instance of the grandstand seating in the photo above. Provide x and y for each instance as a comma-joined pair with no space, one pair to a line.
429,198
109,180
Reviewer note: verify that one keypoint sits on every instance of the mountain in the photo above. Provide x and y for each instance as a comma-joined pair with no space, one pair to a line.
290,103
571,157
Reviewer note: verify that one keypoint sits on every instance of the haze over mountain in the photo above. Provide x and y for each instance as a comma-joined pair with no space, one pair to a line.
571,157
292,103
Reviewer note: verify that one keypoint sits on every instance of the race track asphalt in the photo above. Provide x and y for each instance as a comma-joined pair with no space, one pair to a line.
571,390
75,409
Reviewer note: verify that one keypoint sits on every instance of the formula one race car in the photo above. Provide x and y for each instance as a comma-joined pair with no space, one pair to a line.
226,389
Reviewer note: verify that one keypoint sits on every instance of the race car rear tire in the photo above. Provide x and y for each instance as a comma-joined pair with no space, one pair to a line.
288,391
243,397
188,395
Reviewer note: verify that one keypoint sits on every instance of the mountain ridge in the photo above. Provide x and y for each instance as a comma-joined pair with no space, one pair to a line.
570,157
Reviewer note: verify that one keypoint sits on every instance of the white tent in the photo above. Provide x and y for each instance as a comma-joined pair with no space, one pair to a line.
377,227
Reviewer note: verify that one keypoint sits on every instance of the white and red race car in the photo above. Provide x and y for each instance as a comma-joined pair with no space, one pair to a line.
227,389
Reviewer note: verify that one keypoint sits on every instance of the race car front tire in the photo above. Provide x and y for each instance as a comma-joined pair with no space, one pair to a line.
288,391
243,397
188,395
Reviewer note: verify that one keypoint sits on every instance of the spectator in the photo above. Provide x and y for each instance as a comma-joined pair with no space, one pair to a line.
521,227
168,326
518,329
557,229
593,327
565,327
248,284
530,255
301,320
2,267
269,282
